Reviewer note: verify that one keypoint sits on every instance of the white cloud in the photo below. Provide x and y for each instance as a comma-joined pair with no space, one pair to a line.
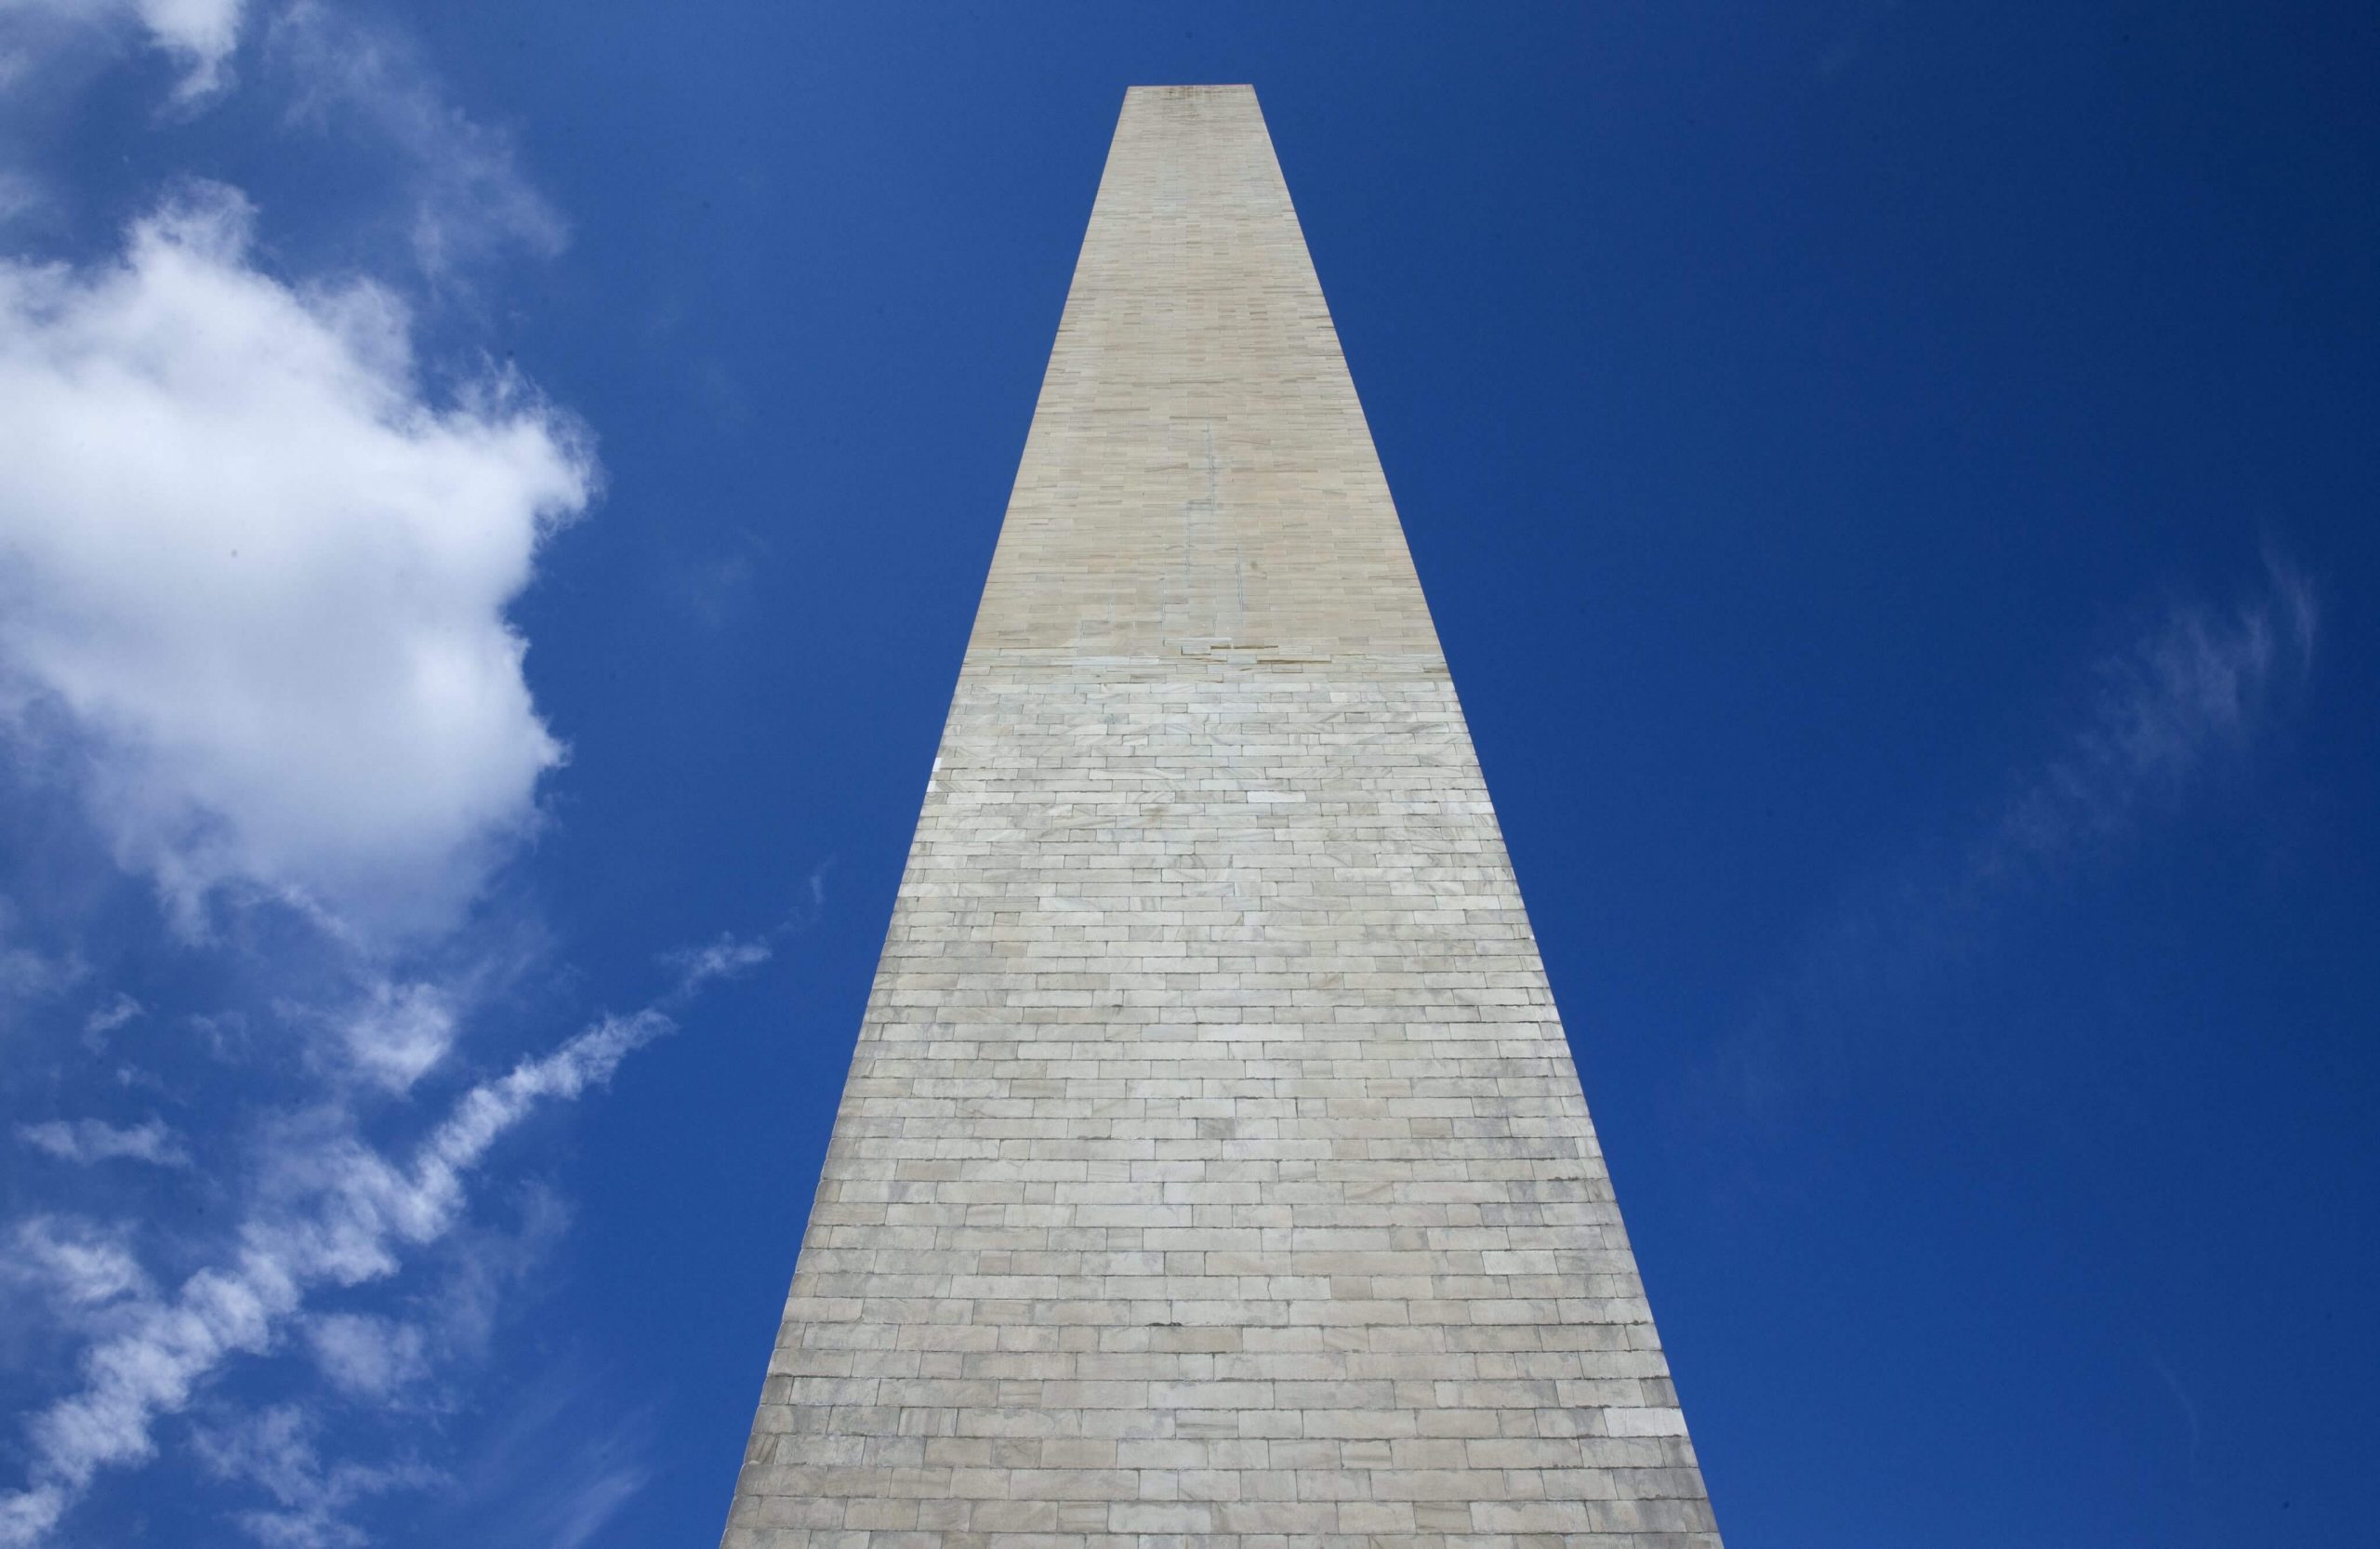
2188,687
86,1141
557,1467
724,958
344,1216
2192,690
79,1265
199,35
365,1356
19,194
123,1009
265,574
607,1481
467,200
255,565
275,1450
28,974
399,1032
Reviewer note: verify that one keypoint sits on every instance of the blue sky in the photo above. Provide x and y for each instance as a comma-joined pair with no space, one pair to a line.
492,500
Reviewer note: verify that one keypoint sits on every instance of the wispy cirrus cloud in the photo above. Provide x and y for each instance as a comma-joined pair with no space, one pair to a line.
466,202
86,1141
2197,685
341,1214
198,35
2189,691
76,1266
120,1010
366,1356
276,1451
544,1475
29,973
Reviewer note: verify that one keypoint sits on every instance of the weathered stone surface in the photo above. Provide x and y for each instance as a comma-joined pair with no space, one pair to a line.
1212,1166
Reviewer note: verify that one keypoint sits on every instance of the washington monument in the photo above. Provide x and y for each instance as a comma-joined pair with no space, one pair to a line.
1212,1168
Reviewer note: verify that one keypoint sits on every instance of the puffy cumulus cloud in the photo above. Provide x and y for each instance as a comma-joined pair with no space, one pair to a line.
264,576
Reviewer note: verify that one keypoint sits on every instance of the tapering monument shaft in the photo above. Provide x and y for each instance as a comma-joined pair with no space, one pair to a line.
1212,1164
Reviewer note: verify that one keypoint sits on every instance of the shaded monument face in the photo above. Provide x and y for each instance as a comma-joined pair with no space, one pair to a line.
1212,1164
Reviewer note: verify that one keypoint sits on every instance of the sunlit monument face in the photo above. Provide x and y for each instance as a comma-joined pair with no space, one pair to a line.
1212,1163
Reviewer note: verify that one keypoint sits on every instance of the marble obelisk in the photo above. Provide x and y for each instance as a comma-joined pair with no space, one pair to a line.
1212,1166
